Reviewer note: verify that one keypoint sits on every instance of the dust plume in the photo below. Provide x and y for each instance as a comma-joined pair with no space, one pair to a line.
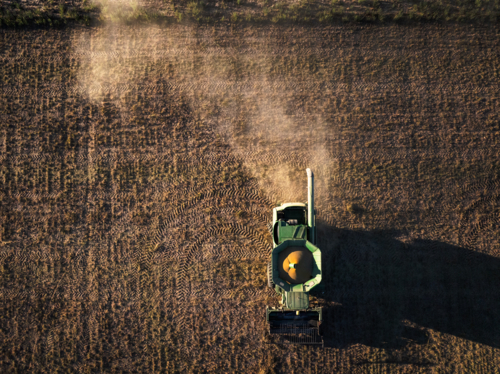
119,62
118,10
230,89
275,142
262,112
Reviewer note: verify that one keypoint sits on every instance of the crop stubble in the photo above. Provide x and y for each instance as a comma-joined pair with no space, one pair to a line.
140,166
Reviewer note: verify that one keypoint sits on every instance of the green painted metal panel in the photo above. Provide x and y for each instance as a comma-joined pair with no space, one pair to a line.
316,273
291,231
297,300
311,217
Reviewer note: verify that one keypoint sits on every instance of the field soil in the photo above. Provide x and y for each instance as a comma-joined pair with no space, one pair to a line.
139,169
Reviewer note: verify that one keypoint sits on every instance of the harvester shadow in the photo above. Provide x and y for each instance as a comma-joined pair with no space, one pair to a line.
382,292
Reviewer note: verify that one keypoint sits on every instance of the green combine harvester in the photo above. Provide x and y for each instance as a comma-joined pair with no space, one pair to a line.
293,271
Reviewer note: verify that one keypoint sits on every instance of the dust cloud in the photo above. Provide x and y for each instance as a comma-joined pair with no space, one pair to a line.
117,10
231,89
276,146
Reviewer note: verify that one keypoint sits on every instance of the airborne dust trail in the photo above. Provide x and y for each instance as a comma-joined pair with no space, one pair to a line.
275,140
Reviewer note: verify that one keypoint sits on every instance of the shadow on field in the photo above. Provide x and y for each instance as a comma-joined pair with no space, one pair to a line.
391,291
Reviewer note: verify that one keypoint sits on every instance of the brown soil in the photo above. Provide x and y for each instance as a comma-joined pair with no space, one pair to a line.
140,165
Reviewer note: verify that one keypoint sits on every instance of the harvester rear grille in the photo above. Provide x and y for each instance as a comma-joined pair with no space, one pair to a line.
291,334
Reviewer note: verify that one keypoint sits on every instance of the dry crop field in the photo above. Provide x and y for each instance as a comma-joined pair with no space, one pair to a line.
140,165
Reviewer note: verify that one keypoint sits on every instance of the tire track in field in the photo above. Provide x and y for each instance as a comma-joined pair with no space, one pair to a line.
257,156
180,214
481,217
213,88
160,240
163,246
261,249
247,293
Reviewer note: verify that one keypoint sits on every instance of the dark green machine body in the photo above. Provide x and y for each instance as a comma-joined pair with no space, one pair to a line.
294,269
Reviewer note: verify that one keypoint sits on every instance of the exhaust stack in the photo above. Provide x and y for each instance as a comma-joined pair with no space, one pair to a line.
310,206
